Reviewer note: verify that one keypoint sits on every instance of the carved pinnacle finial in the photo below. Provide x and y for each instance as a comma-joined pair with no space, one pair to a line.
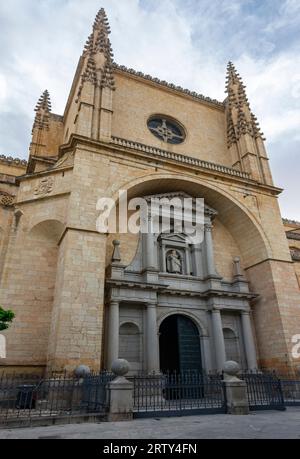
116,256
43,110
97,70
44,102
240,119
238,275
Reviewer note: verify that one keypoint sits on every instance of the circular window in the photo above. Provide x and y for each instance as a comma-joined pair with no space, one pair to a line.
165,129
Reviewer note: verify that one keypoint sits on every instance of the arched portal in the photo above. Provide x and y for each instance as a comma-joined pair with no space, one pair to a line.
179,345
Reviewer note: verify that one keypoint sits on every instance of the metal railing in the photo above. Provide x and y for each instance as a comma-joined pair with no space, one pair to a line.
264,390
27,397
184,393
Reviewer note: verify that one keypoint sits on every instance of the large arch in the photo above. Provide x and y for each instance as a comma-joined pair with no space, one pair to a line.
236,217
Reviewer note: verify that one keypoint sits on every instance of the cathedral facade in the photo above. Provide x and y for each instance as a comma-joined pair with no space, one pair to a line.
161,302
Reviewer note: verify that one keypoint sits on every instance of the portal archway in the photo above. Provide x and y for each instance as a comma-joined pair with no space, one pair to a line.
179,345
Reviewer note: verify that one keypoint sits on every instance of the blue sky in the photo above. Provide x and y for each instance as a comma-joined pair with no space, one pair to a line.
187,42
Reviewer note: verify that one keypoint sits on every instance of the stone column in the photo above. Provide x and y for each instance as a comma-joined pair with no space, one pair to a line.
152,345
210,261
249,341
113,333
218,339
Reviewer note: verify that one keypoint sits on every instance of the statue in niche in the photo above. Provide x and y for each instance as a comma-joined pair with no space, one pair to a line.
174,263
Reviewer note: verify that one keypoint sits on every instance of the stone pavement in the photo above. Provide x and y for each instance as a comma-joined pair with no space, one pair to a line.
265,424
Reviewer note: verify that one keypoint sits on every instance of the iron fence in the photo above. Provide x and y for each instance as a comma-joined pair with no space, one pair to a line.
173,394
291,391
264,391
25,398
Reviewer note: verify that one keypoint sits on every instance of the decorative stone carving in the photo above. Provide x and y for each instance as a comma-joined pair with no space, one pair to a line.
174,262
45,186
6,199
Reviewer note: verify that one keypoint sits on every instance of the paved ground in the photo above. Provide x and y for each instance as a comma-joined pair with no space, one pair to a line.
267,424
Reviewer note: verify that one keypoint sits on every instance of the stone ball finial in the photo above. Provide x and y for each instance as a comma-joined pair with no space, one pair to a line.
116,242
236,259
82,371
120,367
231,368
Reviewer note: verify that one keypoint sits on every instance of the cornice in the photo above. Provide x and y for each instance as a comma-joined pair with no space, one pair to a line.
165,156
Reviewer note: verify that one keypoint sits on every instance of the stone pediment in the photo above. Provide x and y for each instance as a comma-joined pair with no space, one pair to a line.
178,238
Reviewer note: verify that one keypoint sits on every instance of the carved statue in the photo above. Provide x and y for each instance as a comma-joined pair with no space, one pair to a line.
174,263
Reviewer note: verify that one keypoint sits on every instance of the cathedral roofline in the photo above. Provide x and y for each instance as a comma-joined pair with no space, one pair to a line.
15,162
173,87
295,223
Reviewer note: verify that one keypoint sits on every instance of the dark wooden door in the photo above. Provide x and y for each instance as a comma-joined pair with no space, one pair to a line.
188,345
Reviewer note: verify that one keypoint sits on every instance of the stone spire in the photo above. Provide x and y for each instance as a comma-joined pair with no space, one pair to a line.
98,55
97,82
244,137
43,110
240,116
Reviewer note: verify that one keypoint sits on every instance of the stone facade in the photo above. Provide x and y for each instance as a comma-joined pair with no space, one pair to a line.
73,304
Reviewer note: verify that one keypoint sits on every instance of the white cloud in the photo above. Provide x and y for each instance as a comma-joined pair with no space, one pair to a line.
187,43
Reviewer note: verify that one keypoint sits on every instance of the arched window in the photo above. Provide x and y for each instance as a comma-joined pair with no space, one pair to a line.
130,343
231,345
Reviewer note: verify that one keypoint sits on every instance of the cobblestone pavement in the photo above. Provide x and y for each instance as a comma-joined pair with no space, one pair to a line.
267,424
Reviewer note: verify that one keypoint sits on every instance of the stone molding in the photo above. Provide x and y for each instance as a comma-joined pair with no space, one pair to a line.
157,152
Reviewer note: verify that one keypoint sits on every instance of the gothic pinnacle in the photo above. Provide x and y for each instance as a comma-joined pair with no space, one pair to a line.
43,110
245,121
44,102
97,70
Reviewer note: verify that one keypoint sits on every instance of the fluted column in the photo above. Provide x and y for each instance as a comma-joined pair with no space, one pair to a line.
218,339
152,345
249,341
210,260
113,333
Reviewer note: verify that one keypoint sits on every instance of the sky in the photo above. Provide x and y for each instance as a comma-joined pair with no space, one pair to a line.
186,42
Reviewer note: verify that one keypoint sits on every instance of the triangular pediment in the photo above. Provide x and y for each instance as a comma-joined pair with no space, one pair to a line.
173,237
181,195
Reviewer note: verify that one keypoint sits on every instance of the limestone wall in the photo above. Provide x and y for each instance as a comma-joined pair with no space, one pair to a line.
135,100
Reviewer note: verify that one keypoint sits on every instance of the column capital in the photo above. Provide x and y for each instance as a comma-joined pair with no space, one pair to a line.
151,305
114,303
217,310
246,313
208,227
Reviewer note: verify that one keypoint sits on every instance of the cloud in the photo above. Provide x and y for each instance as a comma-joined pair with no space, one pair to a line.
187,43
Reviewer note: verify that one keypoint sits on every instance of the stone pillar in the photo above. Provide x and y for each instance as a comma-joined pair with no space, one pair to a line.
218,338
210,261
120,393
249,341
113,333
152,345
236,390
207,363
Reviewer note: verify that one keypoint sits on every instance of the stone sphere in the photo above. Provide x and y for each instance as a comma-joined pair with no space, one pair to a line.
120,367
82,371
231,368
